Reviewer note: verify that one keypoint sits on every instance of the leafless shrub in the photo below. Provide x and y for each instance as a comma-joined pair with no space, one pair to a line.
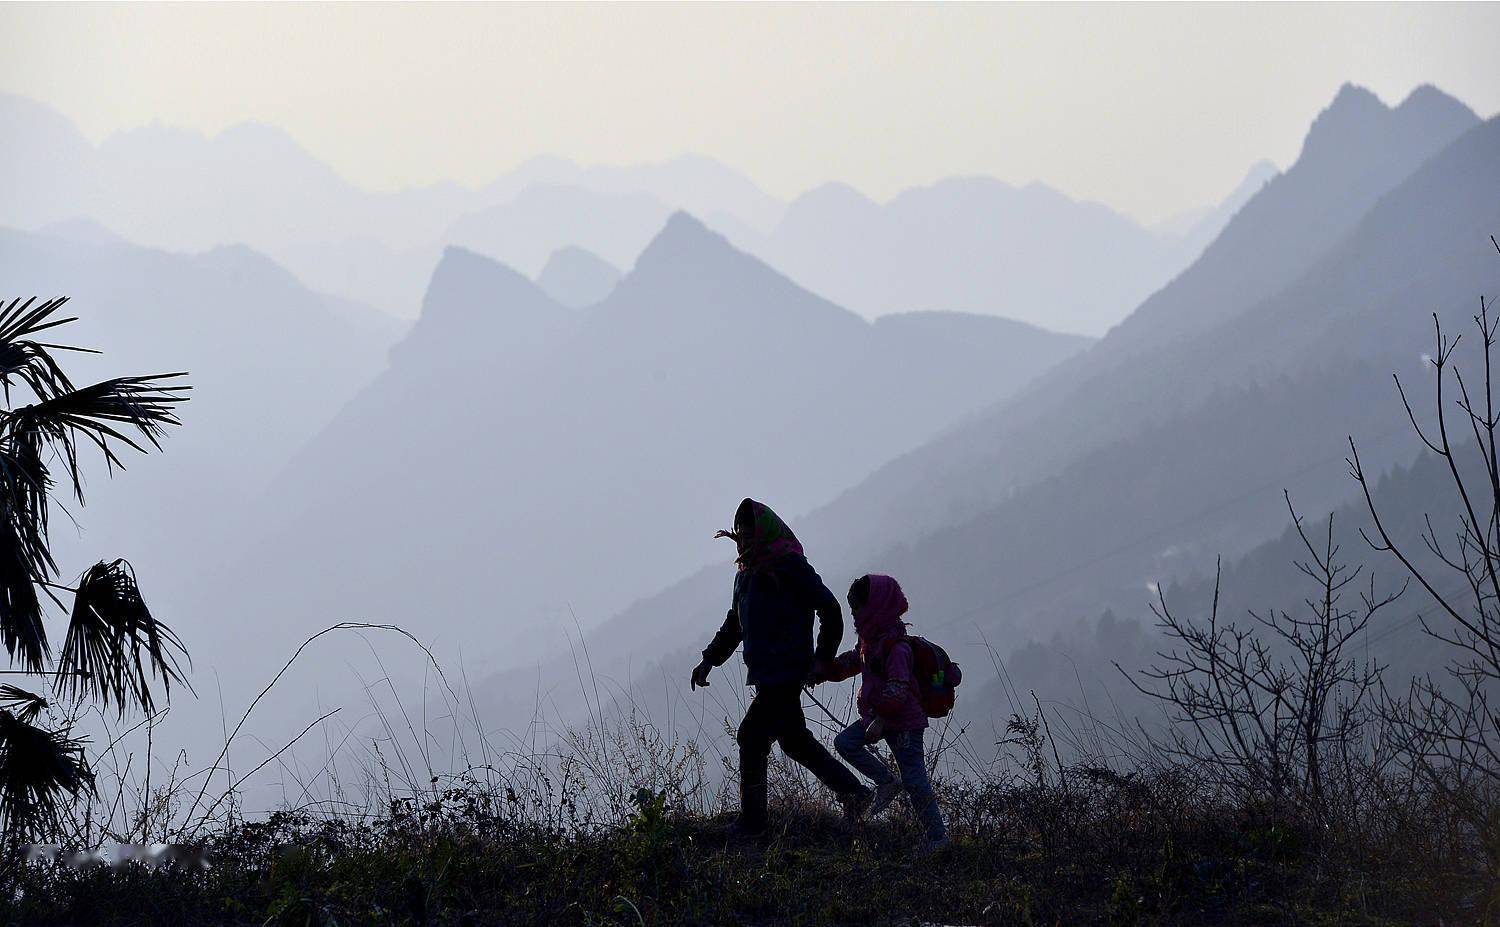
1449,727
1275,710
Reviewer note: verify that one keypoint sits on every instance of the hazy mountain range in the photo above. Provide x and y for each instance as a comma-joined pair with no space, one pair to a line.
966,244
596,377
982,245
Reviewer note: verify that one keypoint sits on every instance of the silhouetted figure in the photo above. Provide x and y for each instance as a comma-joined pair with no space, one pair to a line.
776,593
889,703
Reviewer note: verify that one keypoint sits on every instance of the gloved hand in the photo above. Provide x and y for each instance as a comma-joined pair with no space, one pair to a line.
874,730
700,674
821,670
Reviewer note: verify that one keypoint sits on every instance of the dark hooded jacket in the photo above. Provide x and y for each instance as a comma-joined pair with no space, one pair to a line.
776,593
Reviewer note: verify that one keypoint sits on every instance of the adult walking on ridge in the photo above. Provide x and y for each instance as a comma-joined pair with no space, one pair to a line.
776,593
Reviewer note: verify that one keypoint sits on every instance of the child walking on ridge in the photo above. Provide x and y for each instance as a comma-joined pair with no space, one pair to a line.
889,706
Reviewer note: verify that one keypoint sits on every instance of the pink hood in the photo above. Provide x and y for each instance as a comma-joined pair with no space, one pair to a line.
887,685
880,618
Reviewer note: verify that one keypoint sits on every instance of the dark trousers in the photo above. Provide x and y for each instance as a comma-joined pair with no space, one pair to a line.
775,716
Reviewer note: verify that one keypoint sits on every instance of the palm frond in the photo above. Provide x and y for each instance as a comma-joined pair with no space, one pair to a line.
118,410
21,628
39,771
25,554
113,641
26,360
26,705
25,482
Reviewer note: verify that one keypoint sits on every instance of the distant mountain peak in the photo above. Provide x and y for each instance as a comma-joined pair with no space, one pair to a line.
835,191
468,283
1428,102
458,262
577,277
684,238
1352,96
825,202
690,271
684,222
1357,118
1426,95
574,252
1353,111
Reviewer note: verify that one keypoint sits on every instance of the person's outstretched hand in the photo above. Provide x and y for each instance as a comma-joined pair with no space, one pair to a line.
700,674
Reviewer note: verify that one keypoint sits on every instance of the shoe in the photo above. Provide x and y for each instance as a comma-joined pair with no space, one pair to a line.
857,804
884,794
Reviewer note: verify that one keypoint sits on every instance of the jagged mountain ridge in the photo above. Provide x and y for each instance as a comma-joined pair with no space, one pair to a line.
181,190
965,244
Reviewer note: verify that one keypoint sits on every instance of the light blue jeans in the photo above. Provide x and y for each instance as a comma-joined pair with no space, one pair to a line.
906,746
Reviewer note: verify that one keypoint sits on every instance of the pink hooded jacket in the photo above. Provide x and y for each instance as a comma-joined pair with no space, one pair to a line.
883,660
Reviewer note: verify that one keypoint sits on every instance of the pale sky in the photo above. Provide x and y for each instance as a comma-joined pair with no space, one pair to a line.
1150,109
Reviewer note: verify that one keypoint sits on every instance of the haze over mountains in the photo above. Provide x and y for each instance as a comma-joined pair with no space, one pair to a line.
981,245
603,361
975,244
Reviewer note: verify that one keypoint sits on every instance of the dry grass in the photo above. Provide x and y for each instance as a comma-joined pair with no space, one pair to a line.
1085,846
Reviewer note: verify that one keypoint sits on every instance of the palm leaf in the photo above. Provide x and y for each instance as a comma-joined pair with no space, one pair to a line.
114,644
24,484
21,626
25,555
105,412
39,771
29,361
26,705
